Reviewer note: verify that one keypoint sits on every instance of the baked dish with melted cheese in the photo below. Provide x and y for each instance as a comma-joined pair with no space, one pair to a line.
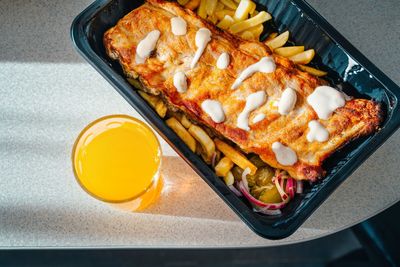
261,122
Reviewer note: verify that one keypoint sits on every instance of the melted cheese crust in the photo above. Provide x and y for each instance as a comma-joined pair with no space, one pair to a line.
174,53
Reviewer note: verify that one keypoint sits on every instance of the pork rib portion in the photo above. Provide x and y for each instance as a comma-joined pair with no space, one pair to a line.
173,53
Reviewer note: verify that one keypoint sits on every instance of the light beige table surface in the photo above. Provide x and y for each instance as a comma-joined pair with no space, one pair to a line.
48,94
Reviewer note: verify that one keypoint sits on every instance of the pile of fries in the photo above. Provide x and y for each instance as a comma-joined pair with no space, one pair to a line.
240,17
198,140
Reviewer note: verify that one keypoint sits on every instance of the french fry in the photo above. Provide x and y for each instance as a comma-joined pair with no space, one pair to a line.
201,11
183,2
226,22
229,179
213,19
192,4
161,108
247,35
251,22
205,141
219,6
256,31
289,51
237,1
271,36
278,41
237,157
243,10
223,166
135,83
200,151
253,9
185,122
222,13
211,5
151,99
303,57
175,125
313,71
229,4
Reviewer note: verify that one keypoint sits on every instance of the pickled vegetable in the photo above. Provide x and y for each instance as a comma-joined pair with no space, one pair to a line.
270,195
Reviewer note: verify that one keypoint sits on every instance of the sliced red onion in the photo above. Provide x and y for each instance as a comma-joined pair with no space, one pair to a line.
284,196
253,200
213,159
299,185
234,190
244,178
289,189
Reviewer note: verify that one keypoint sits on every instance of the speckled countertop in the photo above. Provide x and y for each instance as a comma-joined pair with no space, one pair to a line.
48,94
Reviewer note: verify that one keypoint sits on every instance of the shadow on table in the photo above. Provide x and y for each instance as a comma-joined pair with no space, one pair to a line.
186,197
36,226
185,194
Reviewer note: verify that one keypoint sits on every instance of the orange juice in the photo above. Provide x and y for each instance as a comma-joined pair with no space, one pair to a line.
117,159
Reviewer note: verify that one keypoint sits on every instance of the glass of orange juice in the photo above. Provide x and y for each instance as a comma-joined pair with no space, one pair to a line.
117,159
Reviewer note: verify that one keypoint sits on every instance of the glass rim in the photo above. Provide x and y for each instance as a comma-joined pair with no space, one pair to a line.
90,125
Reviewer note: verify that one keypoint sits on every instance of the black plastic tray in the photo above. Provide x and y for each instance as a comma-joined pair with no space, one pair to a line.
307,27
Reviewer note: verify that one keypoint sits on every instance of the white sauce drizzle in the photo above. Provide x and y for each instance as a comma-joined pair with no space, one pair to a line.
265,65
180,81
178,26
146,46
253,101
325,100
214,109
259,117
287,101
203,37
223,61
317,132
284,155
